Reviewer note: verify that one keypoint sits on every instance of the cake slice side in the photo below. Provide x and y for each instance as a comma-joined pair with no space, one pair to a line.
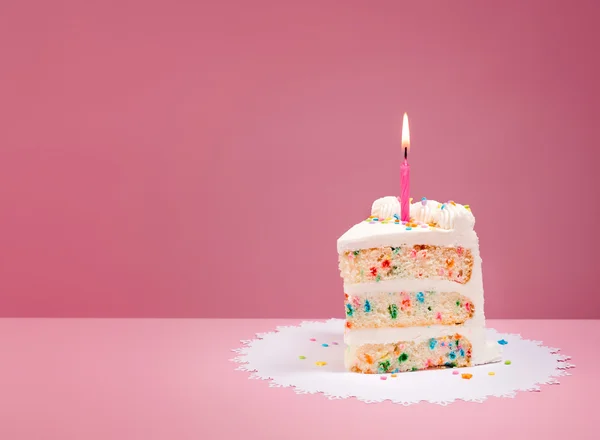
411,289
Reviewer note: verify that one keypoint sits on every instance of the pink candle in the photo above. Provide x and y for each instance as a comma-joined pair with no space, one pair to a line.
405,191
405,173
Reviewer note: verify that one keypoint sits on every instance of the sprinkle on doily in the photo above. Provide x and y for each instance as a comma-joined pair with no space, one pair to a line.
394,375
301,357
320,363
466,376
491,373
502,342
383,377
324,345
507,362
334,343
455,372
313,339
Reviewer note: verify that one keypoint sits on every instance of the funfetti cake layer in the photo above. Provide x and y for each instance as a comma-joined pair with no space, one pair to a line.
419,261
442,351
407,309
411,287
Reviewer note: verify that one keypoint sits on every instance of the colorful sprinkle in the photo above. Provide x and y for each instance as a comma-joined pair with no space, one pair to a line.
313,339
356,253
383,377
349,310
455,372
367,306
301,357
403,357
507,362
324,345
420,297
384,366
438,316
423,201
466,376
394,375
452,355
432,343
424,226
320,363
393,310
378,278
502,342
491,373
408,228
334,343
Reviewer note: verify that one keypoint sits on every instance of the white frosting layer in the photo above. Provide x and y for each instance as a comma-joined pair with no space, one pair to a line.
455,228
399,285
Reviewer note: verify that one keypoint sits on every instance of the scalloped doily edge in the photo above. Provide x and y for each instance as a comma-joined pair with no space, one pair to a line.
561,370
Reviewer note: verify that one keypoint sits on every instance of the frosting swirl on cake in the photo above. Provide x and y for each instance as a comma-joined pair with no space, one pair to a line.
448,215
385,207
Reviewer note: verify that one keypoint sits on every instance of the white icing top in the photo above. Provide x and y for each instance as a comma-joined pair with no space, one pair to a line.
453,226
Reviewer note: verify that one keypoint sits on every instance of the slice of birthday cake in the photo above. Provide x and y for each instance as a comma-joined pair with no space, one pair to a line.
414,290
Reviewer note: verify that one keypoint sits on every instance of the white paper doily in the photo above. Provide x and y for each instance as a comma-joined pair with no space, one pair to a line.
277,357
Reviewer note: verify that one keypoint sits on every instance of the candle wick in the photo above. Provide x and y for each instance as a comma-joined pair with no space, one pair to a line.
405,153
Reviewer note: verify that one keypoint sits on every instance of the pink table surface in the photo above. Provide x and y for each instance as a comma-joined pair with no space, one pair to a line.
172,379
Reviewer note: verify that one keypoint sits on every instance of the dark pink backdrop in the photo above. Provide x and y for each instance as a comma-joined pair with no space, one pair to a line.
200,159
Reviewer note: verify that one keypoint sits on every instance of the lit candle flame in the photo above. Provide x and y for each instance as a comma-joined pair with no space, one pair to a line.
405,134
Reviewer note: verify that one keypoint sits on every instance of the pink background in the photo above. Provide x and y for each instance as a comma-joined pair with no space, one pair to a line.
200,159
